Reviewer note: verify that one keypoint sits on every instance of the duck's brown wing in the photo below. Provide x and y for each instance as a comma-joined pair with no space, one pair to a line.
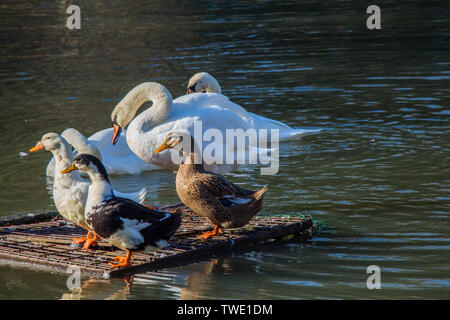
218,186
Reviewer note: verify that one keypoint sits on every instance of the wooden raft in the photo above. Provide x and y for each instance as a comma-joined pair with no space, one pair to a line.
44,242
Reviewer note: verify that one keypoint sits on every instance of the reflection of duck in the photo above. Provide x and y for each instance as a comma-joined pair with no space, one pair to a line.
206,83
201,284
99,290
148,130
118,159
210,195
122,222
70,191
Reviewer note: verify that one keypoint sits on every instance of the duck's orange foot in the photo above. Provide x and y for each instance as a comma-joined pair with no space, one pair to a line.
122,261
207,235
79,240
89,242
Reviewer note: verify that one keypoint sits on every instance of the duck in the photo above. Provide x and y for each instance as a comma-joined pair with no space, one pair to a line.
70,191
148,130
203,82
209,194
117,160
122,222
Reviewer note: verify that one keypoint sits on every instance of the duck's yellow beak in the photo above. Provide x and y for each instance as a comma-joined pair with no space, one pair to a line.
69,169
37,147
164,146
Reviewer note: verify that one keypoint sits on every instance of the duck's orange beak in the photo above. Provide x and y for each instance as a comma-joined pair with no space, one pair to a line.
69,169
37,147
162,147
117,130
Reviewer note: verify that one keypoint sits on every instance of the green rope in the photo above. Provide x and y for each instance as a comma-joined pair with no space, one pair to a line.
318,225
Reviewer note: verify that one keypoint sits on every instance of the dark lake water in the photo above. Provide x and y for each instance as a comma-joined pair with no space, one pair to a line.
378,174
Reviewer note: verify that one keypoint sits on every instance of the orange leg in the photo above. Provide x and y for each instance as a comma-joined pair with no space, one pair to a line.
90,241
122,261
217,230
82,240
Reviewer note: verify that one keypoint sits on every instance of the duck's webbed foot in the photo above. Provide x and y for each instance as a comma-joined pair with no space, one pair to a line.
207,235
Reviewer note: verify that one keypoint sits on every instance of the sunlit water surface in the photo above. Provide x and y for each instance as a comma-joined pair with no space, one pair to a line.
378,174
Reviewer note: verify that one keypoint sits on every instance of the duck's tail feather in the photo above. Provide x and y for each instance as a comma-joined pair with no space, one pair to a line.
260,193
174,223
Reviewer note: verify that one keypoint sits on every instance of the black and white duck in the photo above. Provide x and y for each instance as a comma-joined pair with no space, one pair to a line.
124,223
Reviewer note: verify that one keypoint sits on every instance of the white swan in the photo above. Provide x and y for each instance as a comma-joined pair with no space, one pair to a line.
70,191
148,130
206,83
118,159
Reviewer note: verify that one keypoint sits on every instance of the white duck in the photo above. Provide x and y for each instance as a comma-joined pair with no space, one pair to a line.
149,129
118,159
70,191
205,83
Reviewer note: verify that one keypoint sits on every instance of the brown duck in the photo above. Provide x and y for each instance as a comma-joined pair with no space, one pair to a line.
209,194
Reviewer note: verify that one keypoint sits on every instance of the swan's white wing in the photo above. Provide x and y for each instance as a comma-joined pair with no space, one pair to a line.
285,132
205,100
135,196
50,171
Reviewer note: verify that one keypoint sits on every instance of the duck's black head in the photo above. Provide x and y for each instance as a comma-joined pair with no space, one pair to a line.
88,163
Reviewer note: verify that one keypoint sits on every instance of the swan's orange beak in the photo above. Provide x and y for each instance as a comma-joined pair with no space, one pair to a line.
69,169
37,147
117,130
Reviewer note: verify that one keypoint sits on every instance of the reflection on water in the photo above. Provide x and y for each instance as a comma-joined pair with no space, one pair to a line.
378,173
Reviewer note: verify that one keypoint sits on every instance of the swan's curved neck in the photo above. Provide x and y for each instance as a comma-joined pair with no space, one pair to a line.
157,113
80,143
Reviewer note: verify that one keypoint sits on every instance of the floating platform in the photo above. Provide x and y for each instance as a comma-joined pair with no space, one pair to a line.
43,241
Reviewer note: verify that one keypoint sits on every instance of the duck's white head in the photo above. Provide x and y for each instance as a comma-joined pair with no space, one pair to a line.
203,82
180,141
50,141
89,164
